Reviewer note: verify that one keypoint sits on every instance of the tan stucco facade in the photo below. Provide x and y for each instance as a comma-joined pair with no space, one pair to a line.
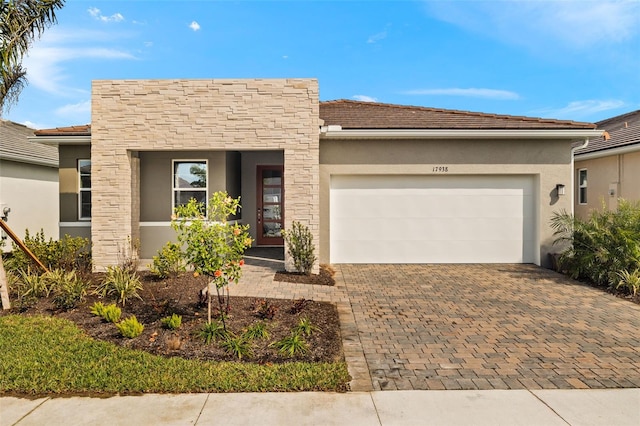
133,120
609,178
547,161
30,191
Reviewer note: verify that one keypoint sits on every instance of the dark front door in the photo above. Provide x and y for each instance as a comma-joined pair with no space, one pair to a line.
270,214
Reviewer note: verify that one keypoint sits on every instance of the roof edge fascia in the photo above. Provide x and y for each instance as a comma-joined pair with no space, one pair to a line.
62,140
607,152
32,161
328,133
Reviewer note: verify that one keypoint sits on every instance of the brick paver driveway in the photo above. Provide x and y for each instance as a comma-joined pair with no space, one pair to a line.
490,327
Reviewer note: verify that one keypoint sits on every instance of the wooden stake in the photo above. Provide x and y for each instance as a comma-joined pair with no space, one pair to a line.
4,287
20,244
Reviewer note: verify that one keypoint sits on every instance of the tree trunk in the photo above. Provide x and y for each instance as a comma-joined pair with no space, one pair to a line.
4,287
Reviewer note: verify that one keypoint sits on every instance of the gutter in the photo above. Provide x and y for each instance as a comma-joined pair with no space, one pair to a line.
336,132
573,174
61,140
607,152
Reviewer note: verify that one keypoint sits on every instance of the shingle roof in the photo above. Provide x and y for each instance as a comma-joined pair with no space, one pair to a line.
622,130
15,146
82,130
370,115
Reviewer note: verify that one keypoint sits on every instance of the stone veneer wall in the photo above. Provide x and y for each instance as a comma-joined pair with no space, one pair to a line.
159,115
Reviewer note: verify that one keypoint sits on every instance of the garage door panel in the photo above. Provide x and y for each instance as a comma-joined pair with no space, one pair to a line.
466,229
436,251
426,204
427,219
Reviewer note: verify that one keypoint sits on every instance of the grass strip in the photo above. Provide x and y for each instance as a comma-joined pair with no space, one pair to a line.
46,355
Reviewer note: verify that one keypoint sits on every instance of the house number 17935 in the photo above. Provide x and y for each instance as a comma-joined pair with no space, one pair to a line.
440,169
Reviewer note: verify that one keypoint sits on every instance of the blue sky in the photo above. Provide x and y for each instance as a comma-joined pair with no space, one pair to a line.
566,59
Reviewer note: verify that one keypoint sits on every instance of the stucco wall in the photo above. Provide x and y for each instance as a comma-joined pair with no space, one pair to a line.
195,115
620,173
548,161
31,192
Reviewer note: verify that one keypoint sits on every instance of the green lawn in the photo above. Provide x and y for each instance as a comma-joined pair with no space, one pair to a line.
45,355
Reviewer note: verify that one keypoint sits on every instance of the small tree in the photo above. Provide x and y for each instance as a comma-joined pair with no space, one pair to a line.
213,245
300,247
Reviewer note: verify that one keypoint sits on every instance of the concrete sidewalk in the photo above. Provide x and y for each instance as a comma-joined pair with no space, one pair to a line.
478,407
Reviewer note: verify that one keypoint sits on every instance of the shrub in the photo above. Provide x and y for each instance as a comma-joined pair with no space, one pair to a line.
305,327
169,262
129,255
121,283
33,284
238,346
291,345
97,309
629,281
600,247
257,331
130,327
264,309
110,313
67,253
69,289
22,297
172,323
212,331
299,242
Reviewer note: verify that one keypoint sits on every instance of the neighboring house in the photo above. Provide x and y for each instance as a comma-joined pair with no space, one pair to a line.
608,168
375,183
28,183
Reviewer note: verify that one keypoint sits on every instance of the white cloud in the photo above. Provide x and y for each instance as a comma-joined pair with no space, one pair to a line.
31,125
377,37
46,59
470,92
73,110
364,98
96,13
585,108
545,24
194,26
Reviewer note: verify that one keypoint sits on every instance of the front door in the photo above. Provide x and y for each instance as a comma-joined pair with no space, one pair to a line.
270,214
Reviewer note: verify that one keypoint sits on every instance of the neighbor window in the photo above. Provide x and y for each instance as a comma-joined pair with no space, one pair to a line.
582,186
189,181
84,193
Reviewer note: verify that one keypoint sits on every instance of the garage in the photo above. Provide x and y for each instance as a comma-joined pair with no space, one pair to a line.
432,219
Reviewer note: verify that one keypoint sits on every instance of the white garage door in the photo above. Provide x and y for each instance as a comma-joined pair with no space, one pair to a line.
432,219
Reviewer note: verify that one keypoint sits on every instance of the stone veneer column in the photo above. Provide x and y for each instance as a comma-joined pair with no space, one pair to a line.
200,115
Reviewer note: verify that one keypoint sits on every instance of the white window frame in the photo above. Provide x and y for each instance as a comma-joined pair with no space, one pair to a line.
81,189
175,189
582,187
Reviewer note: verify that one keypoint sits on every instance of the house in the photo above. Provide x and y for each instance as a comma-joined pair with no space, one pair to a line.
375,183
28,183
608,168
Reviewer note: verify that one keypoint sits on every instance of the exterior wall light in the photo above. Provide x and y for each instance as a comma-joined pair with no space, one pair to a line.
560,189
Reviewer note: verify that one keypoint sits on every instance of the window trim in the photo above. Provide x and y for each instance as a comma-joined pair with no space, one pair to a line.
81,190
173,180
581,187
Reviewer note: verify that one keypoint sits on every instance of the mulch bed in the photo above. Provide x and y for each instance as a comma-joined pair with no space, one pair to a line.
324,277
180,295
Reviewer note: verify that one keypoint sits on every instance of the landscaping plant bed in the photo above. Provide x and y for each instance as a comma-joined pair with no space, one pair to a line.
180,296
324,277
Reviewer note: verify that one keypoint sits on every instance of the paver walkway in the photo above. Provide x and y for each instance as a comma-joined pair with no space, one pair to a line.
470,326
490,327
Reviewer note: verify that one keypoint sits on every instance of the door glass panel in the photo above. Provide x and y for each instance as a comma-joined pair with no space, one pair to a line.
271,195
271,229
271,213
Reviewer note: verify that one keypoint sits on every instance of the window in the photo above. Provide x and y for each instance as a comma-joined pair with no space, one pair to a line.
582,186
189,181
84,193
